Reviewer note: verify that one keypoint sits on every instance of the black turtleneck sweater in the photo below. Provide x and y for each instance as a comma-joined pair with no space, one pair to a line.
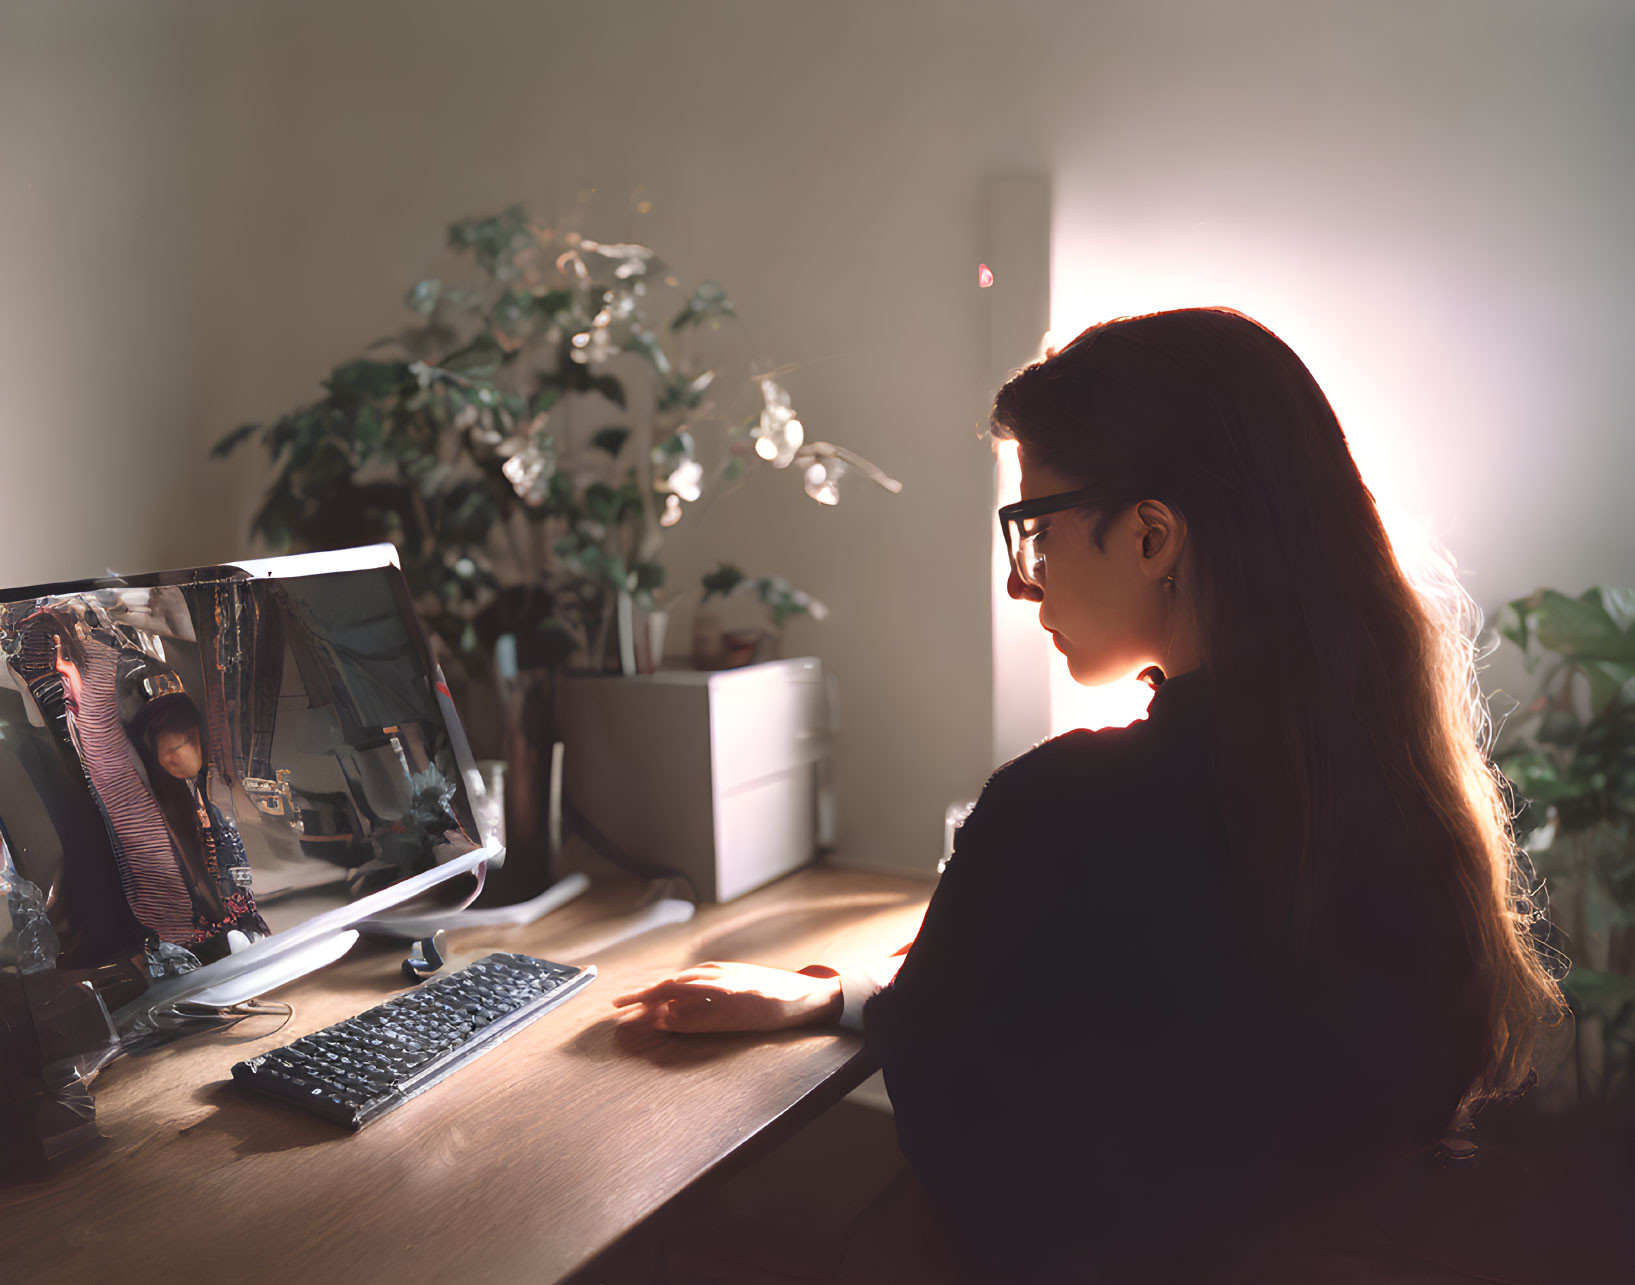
1088,1083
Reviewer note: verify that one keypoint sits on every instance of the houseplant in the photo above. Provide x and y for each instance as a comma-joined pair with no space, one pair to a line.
778,601
1571,760
527,442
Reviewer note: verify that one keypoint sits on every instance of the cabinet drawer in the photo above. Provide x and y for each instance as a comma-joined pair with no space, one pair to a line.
766,721
764,830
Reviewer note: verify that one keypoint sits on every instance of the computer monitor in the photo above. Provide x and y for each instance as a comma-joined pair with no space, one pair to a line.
209,776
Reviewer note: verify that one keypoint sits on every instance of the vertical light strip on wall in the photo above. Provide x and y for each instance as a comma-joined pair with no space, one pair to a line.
1016,249
1035,696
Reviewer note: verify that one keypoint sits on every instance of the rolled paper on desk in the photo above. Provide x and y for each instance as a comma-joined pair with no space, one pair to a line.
414,927
657,914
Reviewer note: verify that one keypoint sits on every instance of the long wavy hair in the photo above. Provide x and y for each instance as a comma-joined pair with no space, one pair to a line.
1366,824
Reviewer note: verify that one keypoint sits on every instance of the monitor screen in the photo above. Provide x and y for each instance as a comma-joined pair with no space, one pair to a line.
194,762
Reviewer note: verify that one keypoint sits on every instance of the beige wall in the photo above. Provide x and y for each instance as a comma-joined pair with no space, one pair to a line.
206,205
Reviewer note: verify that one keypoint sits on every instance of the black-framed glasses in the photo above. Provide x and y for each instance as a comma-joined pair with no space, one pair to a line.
1024,525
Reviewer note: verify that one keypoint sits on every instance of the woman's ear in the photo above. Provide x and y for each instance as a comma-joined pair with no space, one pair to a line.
1162,539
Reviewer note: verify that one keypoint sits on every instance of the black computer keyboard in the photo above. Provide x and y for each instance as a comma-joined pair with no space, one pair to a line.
359,1069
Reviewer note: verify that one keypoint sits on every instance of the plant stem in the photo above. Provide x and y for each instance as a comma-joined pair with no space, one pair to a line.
597,652
644,483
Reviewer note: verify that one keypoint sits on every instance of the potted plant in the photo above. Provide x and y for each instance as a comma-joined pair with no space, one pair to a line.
723,644
527,442
1571,759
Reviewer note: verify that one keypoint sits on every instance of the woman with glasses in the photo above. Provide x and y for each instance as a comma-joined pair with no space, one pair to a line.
1187,984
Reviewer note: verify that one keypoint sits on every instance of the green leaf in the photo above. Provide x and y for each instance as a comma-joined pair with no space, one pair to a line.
363,380
367,431
1535,775
232,441
494,241
611,440
423,295
1512,622
1559,727
1599,994
513,310
468,512
1620,605
298,435
1580,628
575,377
685,394
649,575
272,521
602,502
553,303
327,465
723,580
479,359
709,302
782,598
646,342
1607,679
674,448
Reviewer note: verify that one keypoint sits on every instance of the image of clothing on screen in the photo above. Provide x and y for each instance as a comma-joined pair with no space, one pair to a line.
59,838
168,876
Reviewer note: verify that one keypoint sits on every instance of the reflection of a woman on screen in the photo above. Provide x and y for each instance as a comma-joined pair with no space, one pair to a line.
168,737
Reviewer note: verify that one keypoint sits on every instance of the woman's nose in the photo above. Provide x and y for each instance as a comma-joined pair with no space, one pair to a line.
1017,589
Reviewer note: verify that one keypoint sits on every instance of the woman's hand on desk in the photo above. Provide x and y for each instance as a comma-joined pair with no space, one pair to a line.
717,996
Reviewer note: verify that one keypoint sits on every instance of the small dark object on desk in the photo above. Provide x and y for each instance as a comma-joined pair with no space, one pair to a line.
359,1069
426,957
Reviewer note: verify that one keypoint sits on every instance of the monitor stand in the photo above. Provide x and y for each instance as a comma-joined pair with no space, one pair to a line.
281,968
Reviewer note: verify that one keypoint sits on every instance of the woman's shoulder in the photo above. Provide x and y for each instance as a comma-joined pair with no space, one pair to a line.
1082,761
1062,786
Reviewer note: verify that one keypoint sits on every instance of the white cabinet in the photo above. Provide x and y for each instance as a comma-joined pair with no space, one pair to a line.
722,775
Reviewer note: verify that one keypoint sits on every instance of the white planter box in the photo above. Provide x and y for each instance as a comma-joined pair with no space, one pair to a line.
721,775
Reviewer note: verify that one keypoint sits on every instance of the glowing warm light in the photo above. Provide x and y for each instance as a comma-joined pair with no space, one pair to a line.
687,481
779,428
823,480
1387,383
984,278
1383,380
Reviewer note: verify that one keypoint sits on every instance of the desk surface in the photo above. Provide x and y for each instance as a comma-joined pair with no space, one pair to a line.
523,1165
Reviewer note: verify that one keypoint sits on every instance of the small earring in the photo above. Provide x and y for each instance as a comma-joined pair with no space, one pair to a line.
1170,581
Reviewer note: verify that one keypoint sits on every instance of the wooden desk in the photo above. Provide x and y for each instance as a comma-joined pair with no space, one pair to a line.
522,1166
